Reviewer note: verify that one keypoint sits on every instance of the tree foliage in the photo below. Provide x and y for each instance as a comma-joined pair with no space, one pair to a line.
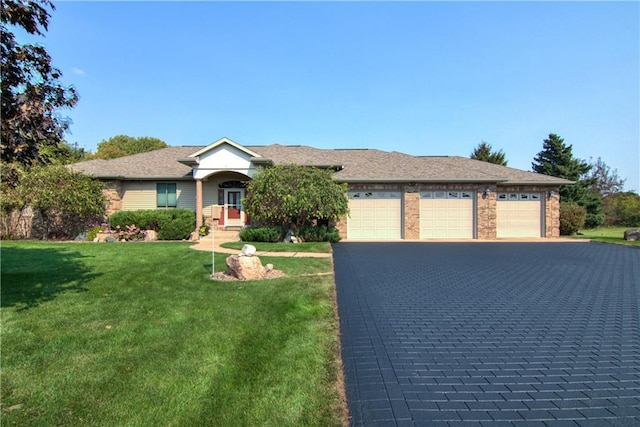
622,209
556,159
605,180
124,145
295,195
485,153
32,92
68,202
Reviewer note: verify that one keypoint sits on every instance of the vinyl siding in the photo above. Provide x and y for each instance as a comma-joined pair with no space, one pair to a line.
140,195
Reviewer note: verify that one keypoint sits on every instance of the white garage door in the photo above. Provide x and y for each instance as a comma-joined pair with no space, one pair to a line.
374,215
519,215
446,215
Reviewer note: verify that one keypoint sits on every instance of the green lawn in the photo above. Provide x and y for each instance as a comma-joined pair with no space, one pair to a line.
607,235
322,247
137,334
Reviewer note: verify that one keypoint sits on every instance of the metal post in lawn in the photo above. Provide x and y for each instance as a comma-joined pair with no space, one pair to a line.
213,251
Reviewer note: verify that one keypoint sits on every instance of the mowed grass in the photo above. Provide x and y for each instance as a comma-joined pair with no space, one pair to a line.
608,235
137,334
321,247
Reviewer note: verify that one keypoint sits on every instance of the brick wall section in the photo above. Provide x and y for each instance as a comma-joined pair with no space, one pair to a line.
113,192
411,213
552,215
486,213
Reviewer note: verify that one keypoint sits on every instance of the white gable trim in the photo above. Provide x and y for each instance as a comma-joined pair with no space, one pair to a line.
224,141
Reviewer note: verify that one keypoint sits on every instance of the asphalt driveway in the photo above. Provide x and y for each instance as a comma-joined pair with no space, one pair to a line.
490,333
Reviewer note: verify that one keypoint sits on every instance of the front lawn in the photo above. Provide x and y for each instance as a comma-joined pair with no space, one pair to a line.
607,235
137,334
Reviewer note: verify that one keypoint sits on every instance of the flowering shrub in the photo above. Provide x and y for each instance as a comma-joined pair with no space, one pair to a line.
95,229
129,233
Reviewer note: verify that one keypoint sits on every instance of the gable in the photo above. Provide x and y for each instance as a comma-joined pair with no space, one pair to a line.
223,155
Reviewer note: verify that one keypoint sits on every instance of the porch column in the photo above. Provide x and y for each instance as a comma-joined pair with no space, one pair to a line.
198,204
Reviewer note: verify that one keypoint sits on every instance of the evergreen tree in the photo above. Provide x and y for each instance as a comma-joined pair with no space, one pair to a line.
556,159
485,153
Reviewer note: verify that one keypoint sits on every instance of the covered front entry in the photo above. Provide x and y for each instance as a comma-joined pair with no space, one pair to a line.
231,212
446,215
374,215
519,215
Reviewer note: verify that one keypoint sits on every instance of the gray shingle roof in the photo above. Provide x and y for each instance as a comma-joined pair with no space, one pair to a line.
368,165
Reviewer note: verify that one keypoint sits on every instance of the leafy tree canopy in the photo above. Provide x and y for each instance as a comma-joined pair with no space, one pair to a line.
32,92
622,209
605,180
295,195
485,153
67,201
556,159
124,145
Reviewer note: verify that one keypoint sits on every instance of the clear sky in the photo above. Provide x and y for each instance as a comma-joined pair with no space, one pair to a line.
425,78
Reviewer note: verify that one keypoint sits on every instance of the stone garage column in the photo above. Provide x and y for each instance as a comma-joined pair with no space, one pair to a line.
411,213
198,204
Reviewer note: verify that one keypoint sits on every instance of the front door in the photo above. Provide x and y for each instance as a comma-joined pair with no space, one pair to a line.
234,207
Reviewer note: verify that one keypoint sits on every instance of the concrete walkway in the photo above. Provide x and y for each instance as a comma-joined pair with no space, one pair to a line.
223,236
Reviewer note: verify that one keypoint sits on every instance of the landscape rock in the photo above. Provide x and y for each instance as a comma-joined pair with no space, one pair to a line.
150,236
248,250
632,234
245,267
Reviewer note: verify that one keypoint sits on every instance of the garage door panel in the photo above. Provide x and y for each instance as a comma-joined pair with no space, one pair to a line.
446,215
519,215
374,215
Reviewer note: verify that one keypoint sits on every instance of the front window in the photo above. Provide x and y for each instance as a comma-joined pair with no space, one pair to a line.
166,195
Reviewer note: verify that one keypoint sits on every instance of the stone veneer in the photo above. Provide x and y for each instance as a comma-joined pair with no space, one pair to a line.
486,206
113,192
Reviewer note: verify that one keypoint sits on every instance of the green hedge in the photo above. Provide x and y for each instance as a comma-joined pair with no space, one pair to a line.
262,234
169,224
320,233
276,233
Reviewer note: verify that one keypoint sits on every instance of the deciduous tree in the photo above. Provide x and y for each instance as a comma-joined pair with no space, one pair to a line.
32,92
124,145
485,153
605,180
67,201
295,195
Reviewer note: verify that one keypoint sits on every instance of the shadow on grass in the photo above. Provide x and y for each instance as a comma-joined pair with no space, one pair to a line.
31,276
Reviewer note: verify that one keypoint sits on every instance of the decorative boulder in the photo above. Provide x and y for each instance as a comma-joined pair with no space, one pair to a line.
632,234
150,236
248,250
245,267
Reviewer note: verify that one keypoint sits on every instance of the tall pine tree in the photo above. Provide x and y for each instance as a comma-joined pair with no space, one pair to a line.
556,159
485,153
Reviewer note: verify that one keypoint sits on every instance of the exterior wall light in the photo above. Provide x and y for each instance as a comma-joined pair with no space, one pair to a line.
487,191
551,193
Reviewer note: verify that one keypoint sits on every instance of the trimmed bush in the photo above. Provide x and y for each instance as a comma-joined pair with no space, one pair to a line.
176,224
169,224
320,233
572,218
271,234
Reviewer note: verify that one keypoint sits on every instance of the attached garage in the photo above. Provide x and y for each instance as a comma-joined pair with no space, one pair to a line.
519,215
446,215
374,215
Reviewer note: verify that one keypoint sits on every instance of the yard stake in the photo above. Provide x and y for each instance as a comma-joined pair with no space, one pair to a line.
213,252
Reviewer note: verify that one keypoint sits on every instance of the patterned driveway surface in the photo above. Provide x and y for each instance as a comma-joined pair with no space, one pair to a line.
490,333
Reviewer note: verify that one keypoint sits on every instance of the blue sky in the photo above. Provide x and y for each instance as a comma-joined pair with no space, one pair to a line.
425,78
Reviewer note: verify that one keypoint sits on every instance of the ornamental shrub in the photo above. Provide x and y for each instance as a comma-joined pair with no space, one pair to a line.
262,234
572,218
319,233
169,224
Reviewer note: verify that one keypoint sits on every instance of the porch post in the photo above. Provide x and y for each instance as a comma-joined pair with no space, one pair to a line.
198,204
